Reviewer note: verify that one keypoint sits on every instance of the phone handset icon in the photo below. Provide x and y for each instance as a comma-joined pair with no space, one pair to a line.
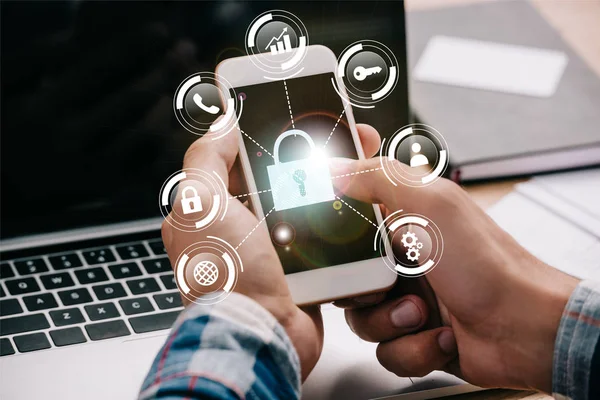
211,110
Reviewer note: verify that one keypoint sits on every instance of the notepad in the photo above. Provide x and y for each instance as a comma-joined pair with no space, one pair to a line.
557,219
491,66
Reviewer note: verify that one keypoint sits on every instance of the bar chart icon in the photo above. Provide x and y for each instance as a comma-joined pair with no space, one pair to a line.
280,44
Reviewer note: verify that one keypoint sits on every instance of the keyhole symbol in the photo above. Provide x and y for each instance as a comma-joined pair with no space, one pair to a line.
299,177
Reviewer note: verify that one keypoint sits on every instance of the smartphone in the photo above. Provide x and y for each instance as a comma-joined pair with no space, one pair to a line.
326,248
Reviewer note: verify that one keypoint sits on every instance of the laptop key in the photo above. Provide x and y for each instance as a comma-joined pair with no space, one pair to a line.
6,271
157,265
99,256
65,261
153,322
67,336
132,251
169,281
168,300
109,291
22,286
67,316
40,301
101,311
32,342
25,323
10,307
136,306
107,330
6,348
157,247
126,270
91,275
31,266
2,292
57,281
141,286
75,296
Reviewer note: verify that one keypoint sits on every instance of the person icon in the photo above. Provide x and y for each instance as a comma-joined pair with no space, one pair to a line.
417,159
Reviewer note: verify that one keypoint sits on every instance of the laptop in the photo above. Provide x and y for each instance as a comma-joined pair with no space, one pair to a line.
87,295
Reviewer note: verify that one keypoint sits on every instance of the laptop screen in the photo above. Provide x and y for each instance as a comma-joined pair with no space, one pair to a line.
87,123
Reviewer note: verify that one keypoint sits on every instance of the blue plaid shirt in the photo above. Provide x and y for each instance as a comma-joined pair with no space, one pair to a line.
237,350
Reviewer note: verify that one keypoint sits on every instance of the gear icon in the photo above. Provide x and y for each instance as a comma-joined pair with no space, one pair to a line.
413,254
419,245
409,243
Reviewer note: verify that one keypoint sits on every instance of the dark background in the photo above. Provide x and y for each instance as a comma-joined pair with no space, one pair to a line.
88,130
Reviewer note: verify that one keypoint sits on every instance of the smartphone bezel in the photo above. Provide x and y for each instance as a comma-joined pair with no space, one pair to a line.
329,283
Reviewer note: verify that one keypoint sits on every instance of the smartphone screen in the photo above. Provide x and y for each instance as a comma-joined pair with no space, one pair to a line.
322,234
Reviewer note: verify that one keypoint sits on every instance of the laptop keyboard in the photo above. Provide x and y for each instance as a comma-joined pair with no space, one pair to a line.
86,295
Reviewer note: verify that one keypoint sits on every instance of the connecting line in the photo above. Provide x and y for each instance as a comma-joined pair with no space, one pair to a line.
287,96
335,126
358,212
249,194
357,172
257,225
256,143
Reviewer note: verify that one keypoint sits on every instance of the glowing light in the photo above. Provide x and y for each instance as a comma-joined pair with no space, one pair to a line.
283,234
319,154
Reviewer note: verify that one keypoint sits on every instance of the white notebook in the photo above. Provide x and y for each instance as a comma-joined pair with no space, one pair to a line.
557,218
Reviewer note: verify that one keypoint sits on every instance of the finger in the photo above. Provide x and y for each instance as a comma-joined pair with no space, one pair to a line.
418,354
237,181
369,138
308,348
388,320
210,154
360,301
365,181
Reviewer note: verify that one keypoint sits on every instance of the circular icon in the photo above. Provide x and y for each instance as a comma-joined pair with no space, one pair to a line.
283,234
422,153
206,272
417,243
277,40
198,104
368,70
191,199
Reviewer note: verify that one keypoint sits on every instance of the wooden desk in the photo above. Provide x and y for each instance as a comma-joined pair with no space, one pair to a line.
577,22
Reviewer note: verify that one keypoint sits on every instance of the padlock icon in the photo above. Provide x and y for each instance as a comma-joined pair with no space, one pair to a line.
301,182
191,204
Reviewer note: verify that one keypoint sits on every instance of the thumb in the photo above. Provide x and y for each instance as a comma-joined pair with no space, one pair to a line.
366,181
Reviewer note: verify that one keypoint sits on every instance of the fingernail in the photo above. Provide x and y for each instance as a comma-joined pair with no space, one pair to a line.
406,315
447,342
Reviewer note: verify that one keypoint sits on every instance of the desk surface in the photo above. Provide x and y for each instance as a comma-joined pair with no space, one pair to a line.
576,21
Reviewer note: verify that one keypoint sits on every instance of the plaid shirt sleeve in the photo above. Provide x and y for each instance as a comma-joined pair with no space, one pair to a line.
576,372
232,350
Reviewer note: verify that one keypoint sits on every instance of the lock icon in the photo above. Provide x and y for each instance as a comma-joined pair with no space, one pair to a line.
191,204
301,182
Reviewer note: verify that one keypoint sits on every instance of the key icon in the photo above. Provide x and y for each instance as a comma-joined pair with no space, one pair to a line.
299,177
361,73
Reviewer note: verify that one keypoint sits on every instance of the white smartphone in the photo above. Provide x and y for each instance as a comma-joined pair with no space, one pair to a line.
326,248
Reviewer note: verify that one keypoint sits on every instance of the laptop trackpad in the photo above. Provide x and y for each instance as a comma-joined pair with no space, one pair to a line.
113,369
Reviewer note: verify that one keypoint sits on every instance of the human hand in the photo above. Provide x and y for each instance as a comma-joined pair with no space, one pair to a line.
500,307
263,278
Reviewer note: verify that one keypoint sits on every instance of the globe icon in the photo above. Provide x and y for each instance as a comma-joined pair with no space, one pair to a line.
206,273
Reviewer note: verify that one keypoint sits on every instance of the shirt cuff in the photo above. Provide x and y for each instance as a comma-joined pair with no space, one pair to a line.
576,351
235,344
